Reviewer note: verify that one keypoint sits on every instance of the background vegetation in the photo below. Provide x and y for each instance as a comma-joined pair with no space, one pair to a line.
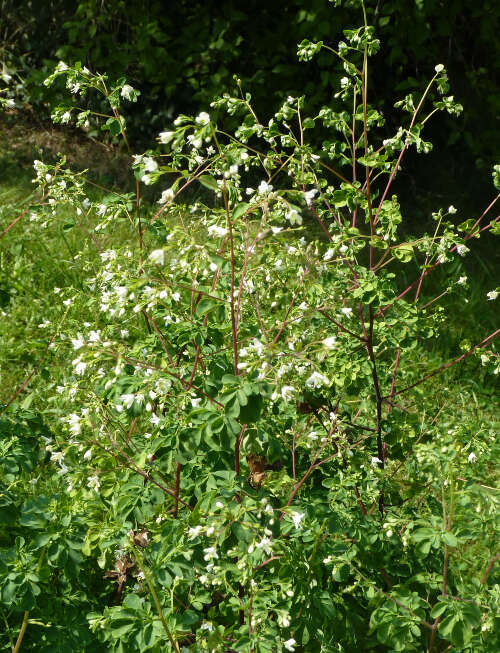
364,553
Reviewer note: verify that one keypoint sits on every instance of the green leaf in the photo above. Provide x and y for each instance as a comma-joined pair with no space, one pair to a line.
239,210
438,609
403,252
251,412
35,513
449,539
208,182
133,602
205,305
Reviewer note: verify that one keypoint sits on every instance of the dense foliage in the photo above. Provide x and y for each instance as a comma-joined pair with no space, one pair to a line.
182,57
241,436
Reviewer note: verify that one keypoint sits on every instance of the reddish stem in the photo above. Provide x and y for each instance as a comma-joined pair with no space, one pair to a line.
177,489
393,384
446,365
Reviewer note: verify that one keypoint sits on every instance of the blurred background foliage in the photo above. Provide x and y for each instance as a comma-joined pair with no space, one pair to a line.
181,54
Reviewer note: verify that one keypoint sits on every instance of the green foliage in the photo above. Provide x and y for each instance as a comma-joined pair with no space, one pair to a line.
244,440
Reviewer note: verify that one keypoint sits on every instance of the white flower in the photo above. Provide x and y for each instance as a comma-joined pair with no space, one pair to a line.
167,196
264,187
93,482
284,621
289,644
316,380
439,68
210,553
389,533
194,531
344,81
310,195
452,209
66,117
462,281
127,91
87,455
176,296
203,118
166,137
472,457
101,209
150,164
347,312
265,544
206,626
330,342
375,461
155,420
57,457
215,230
287,392
79,366
94,336
493,294
294,217
74,424
78,342
157,257
329,254
297,517
462,250
127,400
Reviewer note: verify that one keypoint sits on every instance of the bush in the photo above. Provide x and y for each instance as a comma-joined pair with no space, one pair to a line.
256,442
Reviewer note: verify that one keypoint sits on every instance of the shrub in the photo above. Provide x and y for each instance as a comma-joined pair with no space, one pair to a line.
255,442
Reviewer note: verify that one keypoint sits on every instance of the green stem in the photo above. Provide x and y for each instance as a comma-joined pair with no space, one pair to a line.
24,625
9,635
142,567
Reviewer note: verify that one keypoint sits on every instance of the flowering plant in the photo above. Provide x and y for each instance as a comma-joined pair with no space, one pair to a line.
246,438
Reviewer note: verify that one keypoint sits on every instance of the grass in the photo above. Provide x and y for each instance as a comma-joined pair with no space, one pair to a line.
37,257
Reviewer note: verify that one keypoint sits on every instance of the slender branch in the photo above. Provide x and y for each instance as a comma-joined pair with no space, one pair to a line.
177,489
285,320
492,336
341,326
393,384
233,272
145,571
14,222
484,577
266,562
379,400
24,625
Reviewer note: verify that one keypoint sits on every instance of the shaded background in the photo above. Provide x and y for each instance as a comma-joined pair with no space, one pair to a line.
181,54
